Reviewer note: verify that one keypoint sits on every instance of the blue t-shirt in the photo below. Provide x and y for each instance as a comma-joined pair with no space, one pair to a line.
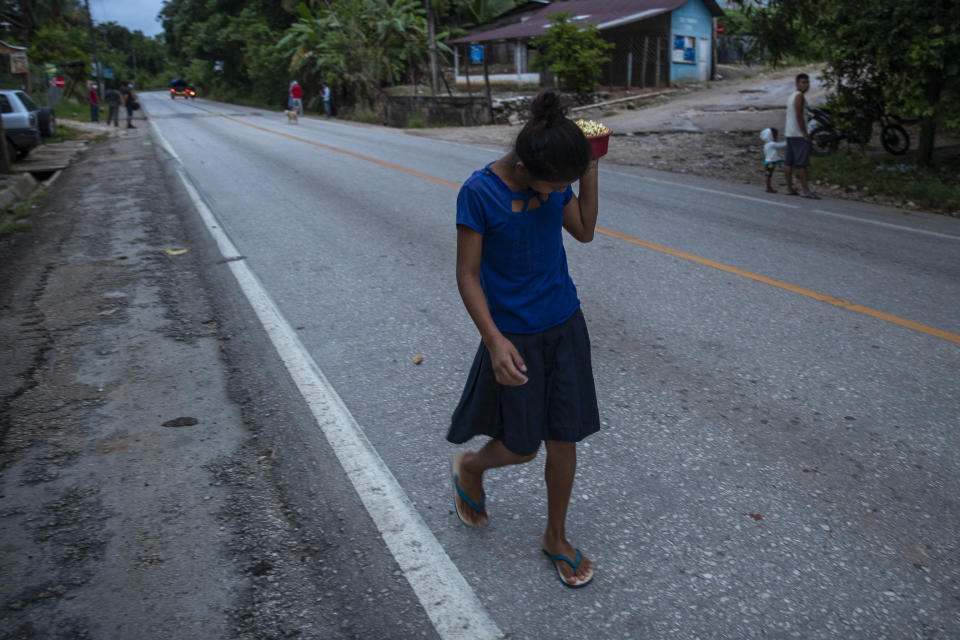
523,269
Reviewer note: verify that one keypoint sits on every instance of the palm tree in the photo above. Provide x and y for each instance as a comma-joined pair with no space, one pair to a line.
358,45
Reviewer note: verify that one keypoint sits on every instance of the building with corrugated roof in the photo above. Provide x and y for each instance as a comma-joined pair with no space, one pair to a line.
656,42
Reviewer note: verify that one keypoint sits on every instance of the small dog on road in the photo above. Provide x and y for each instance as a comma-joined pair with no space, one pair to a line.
292,117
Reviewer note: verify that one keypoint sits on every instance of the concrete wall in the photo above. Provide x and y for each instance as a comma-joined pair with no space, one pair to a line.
437,110
690,25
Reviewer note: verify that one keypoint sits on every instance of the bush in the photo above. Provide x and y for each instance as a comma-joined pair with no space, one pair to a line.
573,54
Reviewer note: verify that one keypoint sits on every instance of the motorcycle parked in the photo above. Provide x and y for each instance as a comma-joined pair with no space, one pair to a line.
826,134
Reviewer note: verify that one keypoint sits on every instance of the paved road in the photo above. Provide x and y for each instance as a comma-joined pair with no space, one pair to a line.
778,386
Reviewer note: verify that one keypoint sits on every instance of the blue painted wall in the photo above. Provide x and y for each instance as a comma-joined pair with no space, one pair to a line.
692,20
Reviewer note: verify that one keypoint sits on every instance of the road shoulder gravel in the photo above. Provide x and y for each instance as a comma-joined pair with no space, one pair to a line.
146,483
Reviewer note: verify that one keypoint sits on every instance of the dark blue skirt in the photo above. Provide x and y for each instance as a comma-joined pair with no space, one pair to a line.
558,402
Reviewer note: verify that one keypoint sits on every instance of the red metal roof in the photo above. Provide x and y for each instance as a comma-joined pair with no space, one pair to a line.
605,14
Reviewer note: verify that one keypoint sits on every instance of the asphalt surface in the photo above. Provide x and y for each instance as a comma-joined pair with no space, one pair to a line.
777,381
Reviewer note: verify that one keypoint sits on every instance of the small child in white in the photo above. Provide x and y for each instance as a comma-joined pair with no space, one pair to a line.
771,154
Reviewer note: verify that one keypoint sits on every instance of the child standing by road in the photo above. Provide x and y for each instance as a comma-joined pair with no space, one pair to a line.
531,379
771,154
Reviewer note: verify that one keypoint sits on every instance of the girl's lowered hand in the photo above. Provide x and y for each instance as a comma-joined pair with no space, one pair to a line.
508,367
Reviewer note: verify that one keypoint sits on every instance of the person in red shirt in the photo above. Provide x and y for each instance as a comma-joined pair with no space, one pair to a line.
94,98
296,95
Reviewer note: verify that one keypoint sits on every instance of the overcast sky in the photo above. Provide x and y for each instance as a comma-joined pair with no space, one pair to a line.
132,14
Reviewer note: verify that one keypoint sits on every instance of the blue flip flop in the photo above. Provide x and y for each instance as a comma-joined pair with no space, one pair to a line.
556,559
478,507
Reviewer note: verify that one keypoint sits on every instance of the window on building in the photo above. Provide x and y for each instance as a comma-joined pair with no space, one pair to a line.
685,49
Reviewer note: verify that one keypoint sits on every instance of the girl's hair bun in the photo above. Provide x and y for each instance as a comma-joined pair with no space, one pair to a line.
551,146
548,108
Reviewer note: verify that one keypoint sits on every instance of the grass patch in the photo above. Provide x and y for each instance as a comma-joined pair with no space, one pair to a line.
935,188
66,132
16,219
72,110
367,116
414,122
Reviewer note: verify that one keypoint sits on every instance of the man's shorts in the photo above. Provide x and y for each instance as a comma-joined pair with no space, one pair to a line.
798,152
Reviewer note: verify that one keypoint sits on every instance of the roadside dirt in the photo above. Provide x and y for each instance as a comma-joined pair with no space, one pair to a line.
711,131
138,496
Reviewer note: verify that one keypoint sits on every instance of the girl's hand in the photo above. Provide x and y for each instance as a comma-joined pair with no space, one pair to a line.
508,367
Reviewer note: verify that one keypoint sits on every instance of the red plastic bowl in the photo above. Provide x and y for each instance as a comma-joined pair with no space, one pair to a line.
599,144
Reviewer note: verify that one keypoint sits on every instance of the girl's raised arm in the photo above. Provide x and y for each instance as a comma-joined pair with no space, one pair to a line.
580,214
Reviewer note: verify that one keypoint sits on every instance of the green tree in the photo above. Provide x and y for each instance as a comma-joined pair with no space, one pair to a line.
572,53
480,11
359,46
903,52
133,56
228,47
59,42
25,17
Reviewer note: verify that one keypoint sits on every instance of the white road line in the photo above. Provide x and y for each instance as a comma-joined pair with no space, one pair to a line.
450,603
833,214
890,225
705,190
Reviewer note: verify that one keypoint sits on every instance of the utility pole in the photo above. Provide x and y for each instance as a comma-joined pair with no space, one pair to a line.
431,32
96,54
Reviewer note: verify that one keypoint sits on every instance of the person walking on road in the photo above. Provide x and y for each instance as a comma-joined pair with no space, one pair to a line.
798,140
532,378
94,99
296,98
130,102
326,99
113,99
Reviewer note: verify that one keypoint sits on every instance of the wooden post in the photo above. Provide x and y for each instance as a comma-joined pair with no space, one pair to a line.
659,42
466,73
486,80
643,63
713,54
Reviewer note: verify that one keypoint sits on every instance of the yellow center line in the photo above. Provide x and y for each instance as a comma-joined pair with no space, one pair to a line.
809,293
358,156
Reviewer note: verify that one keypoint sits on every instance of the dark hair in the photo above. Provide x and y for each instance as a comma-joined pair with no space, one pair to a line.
801,76
774,131
551,146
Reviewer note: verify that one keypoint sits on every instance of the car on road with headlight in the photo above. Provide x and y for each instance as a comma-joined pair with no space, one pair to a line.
179,87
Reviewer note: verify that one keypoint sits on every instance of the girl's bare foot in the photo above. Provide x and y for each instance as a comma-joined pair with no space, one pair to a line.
570,576
468,491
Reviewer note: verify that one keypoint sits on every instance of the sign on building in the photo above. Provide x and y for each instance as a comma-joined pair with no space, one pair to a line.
684,49
476,53
18,62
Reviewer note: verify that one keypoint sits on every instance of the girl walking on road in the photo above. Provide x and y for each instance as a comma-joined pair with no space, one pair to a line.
532,378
